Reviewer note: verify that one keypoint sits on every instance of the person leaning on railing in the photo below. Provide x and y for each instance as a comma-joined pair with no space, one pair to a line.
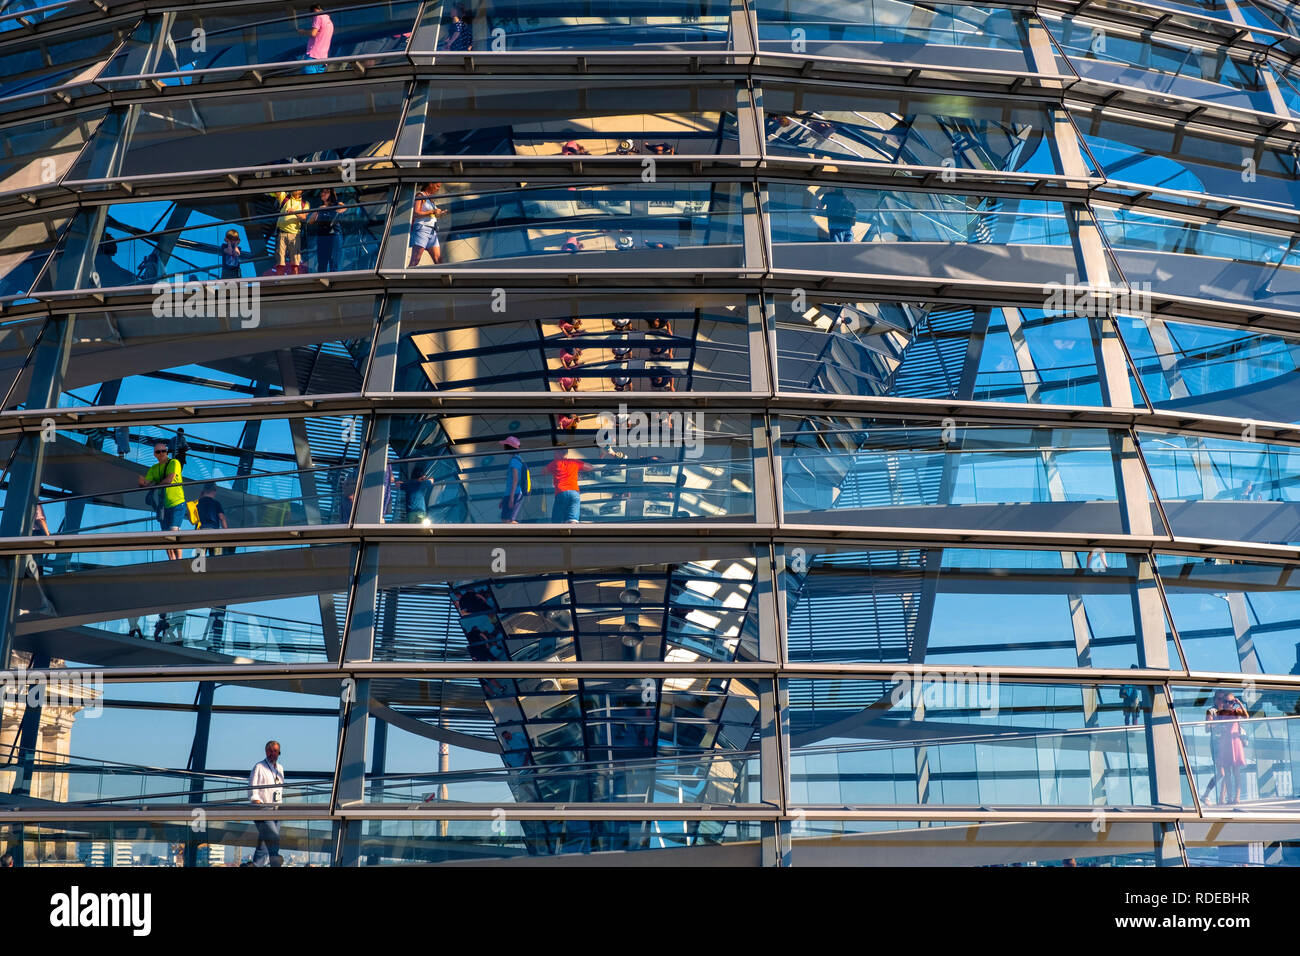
165,476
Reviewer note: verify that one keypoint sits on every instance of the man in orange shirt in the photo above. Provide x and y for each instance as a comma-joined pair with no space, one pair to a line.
564,473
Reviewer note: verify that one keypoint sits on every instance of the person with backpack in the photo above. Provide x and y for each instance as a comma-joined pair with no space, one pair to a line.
519,483
206,513
288,232
325,221
169,494
841,215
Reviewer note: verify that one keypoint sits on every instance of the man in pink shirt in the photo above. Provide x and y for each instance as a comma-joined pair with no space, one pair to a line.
321,33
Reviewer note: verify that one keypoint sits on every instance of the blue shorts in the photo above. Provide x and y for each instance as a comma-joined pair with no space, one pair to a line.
170,518
567,507
424,235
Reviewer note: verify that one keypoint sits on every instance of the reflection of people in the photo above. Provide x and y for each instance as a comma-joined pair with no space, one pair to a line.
1130,696
1227,745
265,785
574,148
320,33
841,215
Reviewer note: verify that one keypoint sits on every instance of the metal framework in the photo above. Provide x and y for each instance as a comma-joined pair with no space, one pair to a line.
917,478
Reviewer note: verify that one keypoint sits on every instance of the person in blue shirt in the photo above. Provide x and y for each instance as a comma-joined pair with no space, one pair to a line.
516,481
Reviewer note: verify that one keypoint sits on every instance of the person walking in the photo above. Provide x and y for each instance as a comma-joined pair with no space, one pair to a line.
424,226
319,35
517,483
265,786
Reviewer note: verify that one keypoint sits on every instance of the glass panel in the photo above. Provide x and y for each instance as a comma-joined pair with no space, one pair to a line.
131,609
565,740
237,37
128,745
235,131
25,246
256,474
38,154
642,466
959,607
1222,489
1131,149
1109,53
897,843
1204,259
221,843
660,342
864,472
1213,370
677,602
1220,843
887,233
193,241
1243,744
571,118
404,842
971,741
25,13
124,357
494,26
894,30
623,226
936,350
1234,616
916,130
67,61
17,338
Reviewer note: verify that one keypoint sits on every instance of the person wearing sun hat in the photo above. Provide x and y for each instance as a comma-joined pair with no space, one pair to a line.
516,483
